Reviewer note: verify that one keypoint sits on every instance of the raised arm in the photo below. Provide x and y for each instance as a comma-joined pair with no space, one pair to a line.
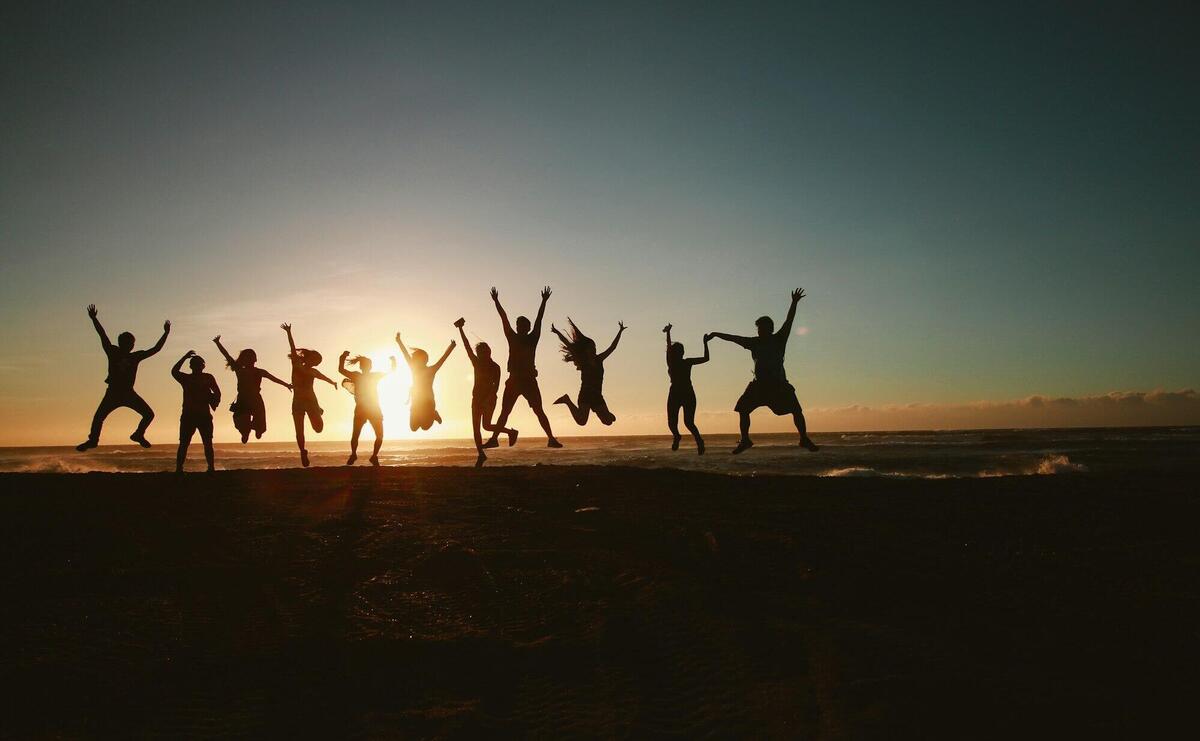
177,368
393,364
403,349
667,331
93,313
342,364
561,337
537,324
445,355
698,361
269,377
291,343
508,330
786,329
466,343
613,346
735,339
228,358
161,340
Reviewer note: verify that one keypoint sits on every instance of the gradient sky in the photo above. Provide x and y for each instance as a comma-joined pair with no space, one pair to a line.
983,204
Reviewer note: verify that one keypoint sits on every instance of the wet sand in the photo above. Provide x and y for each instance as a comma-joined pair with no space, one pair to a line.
586,601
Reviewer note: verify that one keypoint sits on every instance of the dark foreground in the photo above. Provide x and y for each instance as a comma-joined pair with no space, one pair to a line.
590,601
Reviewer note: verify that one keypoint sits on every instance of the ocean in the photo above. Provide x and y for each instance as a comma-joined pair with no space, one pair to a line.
937,454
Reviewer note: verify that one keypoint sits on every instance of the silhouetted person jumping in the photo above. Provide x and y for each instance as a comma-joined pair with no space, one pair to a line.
770,387
249,411
201,395
304,398
422,407
522,371
365,386
682,395
580,349
483,392
122,372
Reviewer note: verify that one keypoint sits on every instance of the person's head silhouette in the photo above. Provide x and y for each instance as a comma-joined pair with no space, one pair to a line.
766,327
483,350
125,341
523,325
420,356
364,363
247,358
196,363
309,358
675,351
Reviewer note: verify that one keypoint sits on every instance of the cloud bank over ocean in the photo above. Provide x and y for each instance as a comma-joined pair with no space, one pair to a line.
1114,409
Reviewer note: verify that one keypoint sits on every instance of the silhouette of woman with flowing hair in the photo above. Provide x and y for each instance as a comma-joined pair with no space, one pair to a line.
770,387
304,398
201,395
365,386
682,395
483,392
522,371
123,364
422,407
580,349
249,411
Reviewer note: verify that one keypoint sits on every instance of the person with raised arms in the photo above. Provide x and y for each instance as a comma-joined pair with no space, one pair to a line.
365,386
201,395
770,387
422,407
682,395
304,398
483,392
580,349
123,363
249,410
522,370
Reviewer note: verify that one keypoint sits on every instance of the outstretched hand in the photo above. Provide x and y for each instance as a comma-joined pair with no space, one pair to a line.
453,344
620,327
460,322
668,328
189,353
217,339
167,326
345,354
546,294
797,295
286,327
495,294
708,336
92,311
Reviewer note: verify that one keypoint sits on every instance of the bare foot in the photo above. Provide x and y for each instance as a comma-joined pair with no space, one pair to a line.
374,460
304,458
562,399
480,459
140,440
742,445
675,442
86,445
353,457
492,443
512,438
806,442
699,446
553,443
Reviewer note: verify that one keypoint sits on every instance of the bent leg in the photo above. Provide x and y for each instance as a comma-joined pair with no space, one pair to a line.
534,397
511,393
317,421
103,409
689,418
139,405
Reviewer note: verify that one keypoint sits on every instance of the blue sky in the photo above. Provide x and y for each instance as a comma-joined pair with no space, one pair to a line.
983,204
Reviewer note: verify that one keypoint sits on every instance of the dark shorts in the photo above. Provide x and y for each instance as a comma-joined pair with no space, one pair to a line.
189,424
306,405
372,415
483,406
681,396
778,396
249,413
526,386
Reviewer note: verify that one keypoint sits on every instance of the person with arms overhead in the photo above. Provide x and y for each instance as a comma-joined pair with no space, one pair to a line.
422,406
483,392
682,396
249,411
201,395
522,370
365,386
580,349
770,387
123,363
304,398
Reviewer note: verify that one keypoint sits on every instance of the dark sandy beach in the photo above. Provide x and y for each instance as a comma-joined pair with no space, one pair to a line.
605,602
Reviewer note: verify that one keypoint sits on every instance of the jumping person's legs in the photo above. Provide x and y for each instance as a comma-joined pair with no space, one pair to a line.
298,421
377,425
206,433
533,395
107,405
744,427
186,429
139,405
487,406
600,407
689,420
356,429
674,403
511,393
578,411
801,427
316,420
259,418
